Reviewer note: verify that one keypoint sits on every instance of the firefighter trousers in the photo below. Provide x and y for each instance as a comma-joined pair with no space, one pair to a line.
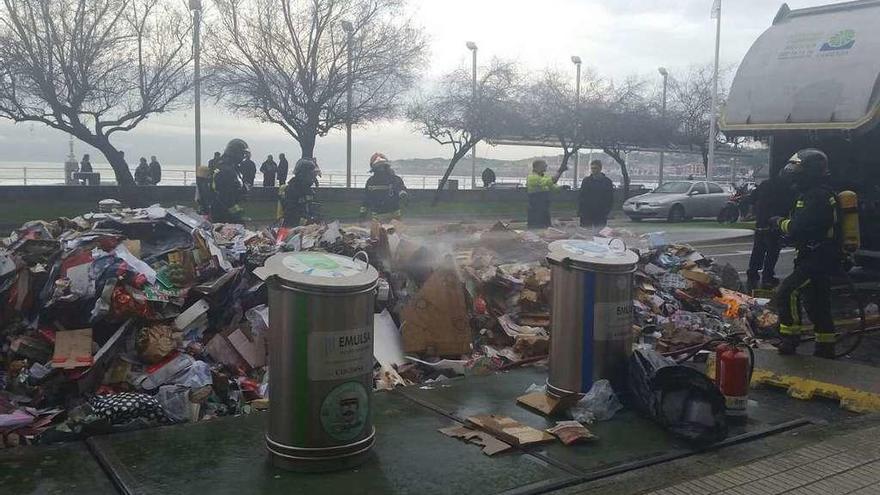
813,287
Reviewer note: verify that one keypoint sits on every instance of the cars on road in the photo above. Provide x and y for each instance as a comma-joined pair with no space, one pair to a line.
677,201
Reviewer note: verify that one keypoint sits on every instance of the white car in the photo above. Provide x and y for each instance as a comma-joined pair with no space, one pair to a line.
677,201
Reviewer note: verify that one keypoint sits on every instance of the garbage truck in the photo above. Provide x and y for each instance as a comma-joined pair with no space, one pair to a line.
812,79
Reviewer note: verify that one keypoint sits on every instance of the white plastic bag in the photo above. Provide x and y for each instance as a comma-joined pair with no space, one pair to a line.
599,404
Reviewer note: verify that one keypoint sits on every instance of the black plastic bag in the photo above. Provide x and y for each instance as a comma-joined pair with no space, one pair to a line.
682,400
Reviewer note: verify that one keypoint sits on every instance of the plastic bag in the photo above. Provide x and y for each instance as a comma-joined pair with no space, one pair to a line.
175,402
599,404
536,388
682,400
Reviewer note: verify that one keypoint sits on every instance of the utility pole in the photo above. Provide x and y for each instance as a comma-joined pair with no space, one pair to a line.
577,105
665,74
196,7
349,32
716,14
473,48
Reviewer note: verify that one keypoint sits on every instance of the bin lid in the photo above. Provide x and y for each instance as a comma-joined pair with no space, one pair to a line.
322,271
600,254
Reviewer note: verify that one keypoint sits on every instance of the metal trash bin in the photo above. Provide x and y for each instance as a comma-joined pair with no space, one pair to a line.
591,330
320,360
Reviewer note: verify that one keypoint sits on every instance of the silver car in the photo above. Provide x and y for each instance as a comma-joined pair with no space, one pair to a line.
677,201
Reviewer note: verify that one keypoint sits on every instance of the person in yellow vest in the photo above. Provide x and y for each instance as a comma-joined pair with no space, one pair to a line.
539,186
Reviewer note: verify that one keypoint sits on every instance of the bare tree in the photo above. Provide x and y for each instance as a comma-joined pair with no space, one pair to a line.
550,110
93,68
453,116
691,108
620,119
286,62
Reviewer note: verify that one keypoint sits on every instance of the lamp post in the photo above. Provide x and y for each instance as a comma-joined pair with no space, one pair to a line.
577,105
665,73
196,7
713,118
473,48
349,32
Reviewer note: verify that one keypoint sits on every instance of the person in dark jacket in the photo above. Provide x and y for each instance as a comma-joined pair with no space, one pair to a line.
595,199
248,170
214,163
298,196
269,168
227,190
155,170
489,178
812,226
384,191
282,169
142,173
539,185
772,198
86,164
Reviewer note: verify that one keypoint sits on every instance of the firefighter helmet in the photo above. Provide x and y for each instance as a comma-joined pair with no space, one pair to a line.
809,164
378,160
235,151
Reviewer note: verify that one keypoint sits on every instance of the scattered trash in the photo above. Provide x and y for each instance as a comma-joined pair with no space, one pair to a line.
680,399
571,432
599,404
509,430
491,445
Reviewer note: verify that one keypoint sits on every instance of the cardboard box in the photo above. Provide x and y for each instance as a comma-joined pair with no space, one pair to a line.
436,320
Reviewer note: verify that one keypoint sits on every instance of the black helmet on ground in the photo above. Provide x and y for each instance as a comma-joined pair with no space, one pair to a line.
235,150
806,166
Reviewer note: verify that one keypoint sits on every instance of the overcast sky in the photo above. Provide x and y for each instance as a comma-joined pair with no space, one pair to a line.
616,37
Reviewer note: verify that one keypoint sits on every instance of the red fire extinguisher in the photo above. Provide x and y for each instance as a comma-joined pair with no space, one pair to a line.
733,369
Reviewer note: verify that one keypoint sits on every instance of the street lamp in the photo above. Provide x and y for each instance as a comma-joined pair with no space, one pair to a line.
577,105
473,48
196,7
349,32
663,72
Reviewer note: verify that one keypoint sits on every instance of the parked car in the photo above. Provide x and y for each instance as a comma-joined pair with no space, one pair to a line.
677,201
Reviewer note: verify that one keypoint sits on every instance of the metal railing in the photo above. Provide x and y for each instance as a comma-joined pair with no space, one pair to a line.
37,175
44,175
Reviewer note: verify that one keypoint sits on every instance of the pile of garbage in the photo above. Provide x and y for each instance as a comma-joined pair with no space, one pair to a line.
135,317
128,318
682,300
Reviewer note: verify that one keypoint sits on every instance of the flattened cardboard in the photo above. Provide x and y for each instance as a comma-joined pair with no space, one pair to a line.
510,430
490,444
73,349
544,403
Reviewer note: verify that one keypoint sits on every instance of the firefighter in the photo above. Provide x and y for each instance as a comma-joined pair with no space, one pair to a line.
227,190
772,198
812,227
385,191
539,186
298,196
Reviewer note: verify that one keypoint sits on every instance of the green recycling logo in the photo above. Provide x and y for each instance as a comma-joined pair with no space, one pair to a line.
843,40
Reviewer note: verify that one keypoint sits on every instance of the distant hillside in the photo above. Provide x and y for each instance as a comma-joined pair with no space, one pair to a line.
638,163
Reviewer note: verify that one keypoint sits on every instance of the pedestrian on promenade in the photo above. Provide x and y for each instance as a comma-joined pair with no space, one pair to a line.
248,170
142,173
282,169
269,168
596,198
155,170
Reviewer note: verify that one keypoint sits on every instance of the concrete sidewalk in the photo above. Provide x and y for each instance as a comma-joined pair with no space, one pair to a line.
849,464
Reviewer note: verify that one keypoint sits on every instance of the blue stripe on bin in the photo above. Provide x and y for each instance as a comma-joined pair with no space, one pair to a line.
587,332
